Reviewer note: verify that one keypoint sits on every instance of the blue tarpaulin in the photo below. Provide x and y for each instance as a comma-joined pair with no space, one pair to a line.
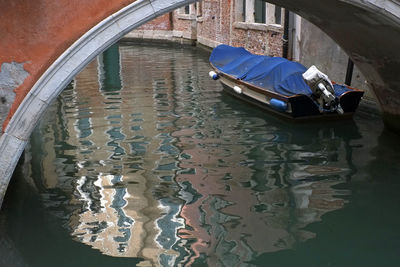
272,73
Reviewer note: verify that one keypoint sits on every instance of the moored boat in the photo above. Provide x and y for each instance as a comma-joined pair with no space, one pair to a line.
281,86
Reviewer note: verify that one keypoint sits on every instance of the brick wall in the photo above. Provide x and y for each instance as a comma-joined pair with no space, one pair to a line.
214,24
207,27
162,23
217,25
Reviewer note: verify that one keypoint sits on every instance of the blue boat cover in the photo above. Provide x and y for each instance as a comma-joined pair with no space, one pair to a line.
272,73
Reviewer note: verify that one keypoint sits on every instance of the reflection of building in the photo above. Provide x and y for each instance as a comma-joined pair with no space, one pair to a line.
111,137
158,165
237,208
130,134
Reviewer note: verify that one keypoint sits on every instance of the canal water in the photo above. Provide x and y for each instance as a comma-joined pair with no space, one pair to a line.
145,161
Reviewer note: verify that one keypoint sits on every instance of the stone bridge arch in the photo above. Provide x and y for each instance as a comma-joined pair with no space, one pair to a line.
368,30
38,86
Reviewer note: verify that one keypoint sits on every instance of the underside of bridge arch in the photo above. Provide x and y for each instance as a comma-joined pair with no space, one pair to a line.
43,45
369,32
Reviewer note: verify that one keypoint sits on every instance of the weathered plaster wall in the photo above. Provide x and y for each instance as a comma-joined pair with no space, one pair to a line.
317,48
41,31
54,49
12,75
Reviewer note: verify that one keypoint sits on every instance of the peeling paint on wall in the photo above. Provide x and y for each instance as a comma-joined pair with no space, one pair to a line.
12,75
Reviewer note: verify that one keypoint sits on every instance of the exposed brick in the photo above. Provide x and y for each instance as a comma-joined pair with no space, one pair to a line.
216,24
161,23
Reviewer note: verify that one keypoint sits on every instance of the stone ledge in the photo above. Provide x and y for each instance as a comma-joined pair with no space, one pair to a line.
207,42
178,34
149,34
275,28
186,16
258,26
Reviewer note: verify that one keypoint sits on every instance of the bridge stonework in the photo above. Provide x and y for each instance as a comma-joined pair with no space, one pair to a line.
45,43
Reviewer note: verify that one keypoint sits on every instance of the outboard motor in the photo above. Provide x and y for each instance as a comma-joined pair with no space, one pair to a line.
322,88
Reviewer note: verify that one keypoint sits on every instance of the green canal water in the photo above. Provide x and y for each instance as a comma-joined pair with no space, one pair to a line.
145,161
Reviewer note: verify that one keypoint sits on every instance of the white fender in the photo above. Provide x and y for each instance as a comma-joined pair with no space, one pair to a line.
237,89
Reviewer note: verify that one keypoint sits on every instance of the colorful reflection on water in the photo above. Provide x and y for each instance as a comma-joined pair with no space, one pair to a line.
143,156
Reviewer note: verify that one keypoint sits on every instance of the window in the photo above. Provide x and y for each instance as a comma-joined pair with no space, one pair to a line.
240,10
278,15
187,10
199,9
258,11
244,10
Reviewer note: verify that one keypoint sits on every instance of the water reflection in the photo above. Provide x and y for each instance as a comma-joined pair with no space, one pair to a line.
158,163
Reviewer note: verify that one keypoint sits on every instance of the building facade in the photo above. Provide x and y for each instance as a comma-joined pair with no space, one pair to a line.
260,28
253,24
